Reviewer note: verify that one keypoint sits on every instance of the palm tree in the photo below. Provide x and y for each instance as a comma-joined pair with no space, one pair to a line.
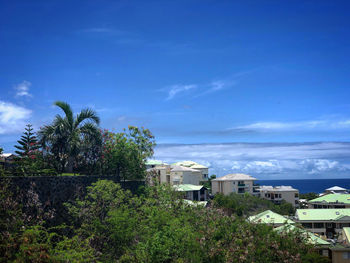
66,135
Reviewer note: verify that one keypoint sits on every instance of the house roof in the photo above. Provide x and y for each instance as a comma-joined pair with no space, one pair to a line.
269,217
347,233
199,166
312,238
336,188
234,177
6,155
178,168
282,188
188,187
185,163
322,214
154,162
332,198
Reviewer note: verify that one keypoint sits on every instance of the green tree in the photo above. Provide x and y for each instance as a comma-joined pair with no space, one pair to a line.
28,142
67,134
124,154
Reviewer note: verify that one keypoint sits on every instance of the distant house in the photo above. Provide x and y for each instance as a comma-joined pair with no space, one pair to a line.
328,222
270,218
193,165
322,245
233,183
336,190
6,160
193,192
330,201
185,175
173,174
278,193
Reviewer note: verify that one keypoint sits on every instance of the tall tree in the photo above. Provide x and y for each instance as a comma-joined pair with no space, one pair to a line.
67,134
28,142
124,154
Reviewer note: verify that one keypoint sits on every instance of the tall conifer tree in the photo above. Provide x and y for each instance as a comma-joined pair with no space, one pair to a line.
27,143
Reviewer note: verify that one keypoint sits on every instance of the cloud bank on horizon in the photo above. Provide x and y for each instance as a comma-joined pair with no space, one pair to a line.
265,160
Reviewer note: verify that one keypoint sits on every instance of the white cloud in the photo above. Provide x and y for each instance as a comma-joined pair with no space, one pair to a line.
292,126
265,159
12,117
176,89
22,89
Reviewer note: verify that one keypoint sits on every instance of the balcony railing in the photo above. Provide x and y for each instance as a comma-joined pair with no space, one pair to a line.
241,185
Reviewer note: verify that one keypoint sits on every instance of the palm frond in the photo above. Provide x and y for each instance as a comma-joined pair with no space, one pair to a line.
67,110
87,114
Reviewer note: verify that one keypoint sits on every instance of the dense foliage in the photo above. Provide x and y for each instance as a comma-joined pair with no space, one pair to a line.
110,224
309,196
248,204
124,154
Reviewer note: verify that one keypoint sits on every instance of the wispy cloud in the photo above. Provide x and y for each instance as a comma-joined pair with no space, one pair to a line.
175,90
22,89
102,30
265,160
294,126
12,117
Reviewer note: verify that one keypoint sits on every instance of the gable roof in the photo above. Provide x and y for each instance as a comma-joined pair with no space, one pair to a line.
154,162
281,188
311,238
347,233
185,163
336,188
234,177
269,217
178,168
332,198
188,187
322,214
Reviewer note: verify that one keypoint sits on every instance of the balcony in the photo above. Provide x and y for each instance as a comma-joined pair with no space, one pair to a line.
241,185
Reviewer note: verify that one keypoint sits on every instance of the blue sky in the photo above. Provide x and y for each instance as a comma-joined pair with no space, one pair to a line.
193,72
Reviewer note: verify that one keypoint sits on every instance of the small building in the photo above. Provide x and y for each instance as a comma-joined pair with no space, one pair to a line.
279,193
6,160
336,190
330,201
193,192
233,183
321,245
328,222
270,218
340,254
185,175
193,165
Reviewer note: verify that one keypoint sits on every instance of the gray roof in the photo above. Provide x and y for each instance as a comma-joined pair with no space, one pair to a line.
282,188
177,168
235,177
336,188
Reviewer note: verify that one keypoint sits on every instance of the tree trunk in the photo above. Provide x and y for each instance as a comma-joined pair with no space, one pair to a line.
70,164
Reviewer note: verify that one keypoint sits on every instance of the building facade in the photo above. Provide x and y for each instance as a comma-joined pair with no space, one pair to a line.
330,201
233,183
279,193
325,222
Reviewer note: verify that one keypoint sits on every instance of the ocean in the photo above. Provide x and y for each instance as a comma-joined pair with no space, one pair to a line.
308,185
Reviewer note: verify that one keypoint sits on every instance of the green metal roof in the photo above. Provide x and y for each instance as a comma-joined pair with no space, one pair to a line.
269,217
188,187
153,162
312,238
332,198
322,214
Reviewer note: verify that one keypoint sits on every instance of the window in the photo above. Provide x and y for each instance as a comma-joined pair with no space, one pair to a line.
296,202
307,225
296,195
318,225
346,255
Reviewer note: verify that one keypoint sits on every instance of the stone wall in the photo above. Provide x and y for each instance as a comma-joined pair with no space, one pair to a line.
53,191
